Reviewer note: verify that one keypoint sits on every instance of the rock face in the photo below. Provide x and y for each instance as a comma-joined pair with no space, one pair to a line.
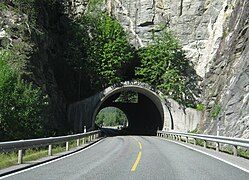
214,34
77,7
227,83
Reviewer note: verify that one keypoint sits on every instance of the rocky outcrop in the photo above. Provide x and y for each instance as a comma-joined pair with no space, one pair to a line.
77,7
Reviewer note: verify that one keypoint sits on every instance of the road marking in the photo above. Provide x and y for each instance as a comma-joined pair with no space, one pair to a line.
134,167
139,143
34,167
213,156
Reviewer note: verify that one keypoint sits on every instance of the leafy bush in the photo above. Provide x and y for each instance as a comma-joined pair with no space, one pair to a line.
163,65
200,107
21,105
97,51
215,111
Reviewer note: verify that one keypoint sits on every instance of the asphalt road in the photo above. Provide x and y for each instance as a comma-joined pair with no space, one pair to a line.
135,157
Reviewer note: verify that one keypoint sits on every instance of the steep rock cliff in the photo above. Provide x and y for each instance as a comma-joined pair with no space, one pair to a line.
226,85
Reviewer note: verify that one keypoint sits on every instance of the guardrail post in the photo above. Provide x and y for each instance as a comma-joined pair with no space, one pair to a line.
20,156
217,146
67,146
50,153
78,142
186,139
194,141
235,150
204,143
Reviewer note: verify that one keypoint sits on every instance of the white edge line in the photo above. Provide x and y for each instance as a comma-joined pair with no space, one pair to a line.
213,156
52,161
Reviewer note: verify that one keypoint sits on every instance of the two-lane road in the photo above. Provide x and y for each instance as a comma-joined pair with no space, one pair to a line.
134,157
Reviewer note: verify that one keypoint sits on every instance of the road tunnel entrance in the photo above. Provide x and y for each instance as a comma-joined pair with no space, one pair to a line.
146,109
143,109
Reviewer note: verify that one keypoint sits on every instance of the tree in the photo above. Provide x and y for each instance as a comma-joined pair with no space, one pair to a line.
21,105
164,66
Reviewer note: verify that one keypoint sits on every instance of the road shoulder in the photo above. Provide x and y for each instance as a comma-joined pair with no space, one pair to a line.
238,162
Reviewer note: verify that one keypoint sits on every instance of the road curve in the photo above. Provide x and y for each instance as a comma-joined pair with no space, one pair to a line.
134,157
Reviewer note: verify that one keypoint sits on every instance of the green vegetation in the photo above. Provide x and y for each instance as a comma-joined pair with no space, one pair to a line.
163,65
10,159
110,117
243,153
99,50
128,97
200,107
21,105
215,111
195,131
3,6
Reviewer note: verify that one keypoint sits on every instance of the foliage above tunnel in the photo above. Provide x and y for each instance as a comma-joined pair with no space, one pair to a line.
163,65
99,50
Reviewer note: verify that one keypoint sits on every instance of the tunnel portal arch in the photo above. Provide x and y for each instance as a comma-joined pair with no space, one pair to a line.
152,103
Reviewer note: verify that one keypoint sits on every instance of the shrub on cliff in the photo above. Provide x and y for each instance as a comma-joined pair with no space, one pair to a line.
164,65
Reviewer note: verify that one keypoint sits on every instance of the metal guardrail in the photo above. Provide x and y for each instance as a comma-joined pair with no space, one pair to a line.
234,142
21,145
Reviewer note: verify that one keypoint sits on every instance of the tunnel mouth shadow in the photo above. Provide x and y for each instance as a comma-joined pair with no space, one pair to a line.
143,115
111,132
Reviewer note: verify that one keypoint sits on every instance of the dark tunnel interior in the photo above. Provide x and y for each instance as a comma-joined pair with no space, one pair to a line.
144,117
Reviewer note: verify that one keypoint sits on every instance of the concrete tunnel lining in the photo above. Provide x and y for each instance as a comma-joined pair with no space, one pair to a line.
141,88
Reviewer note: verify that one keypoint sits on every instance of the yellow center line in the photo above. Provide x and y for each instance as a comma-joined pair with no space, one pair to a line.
140,145
134,167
